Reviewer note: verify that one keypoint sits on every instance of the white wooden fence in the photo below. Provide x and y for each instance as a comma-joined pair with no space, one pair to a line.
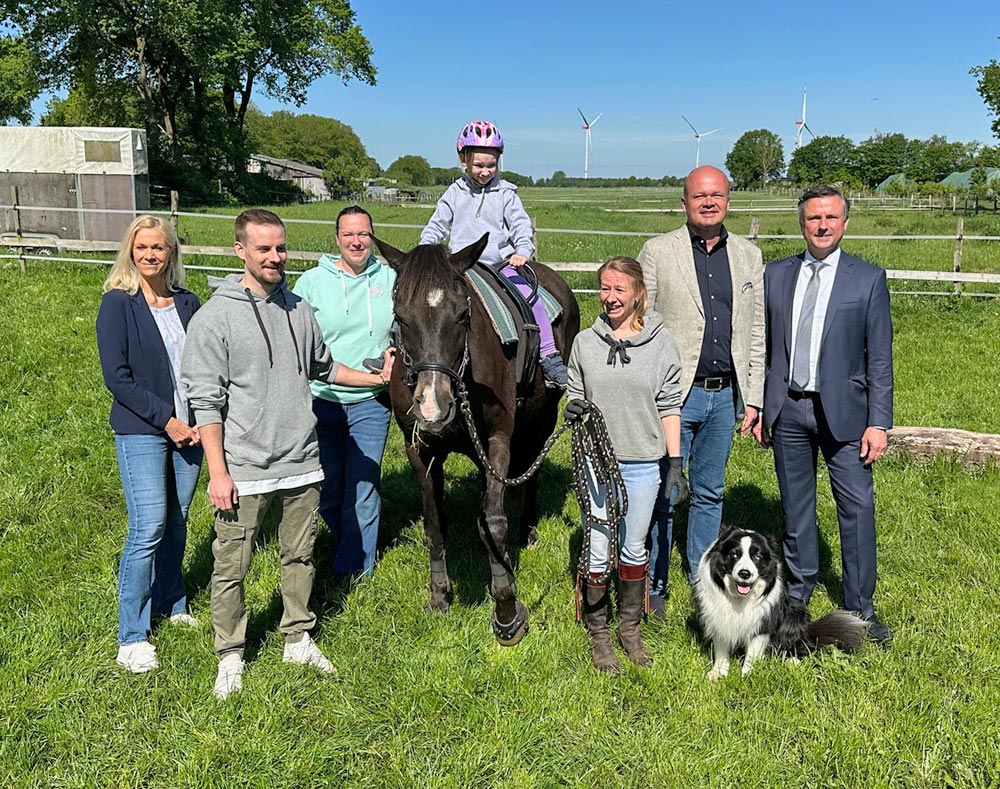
26,248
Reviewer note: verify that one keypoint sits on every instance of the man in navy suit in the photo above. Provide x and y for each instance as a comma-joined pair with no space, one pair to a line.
828,388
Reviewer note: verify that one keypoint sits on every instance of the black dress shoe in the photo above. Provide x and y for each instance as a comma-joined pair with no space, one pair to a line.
878,632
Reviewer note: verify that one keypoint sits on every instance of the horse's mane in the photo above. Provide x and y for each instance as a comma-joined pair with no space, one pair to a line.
427,266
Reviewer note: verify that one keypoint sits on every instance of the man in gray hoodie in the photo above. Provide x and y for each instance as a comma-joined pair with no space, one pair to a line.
247,364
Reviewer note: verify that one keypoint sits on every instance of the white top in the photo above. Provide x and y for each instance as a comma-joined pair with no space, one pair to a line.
172,331
826,270
257,487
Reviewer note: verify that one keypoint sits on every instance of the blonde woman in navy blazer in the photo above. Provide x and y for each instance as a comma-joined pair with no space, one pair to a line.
141,327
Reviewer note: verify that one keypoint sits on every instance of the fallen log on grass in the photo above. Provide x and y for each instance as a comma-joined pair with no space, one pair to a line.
974,450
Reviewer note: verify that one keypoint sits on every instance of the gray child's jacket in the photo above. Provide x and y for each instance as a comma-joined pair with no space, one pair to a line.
466,211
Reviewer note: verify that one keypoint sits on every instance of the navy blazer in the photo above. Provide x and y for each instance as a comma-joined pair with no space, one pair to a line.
134,360
855,357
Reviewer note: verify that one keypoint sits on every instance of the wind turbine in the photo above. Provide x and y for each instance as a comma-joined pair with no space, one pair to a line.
588,147
697,136
802,123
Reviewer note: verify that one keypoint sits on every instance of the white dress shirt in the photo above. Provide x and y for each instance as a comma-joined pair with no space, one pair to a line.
826,271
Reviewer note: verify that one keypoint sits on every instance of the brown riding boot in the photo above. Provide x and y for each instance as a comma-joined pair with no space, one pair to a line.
631,607
595,616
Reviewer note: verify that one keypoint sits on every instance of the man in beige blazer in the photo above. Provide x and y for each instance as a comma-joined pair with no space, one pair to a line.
708,285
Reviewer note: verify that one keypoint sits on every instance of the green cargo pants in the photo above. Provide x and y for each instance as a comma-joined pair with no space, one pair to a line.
294,511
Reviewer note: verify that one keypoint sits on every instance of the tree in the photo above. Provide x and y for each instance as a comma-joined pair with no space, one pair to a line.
755,157
936,158
989,156
988,85
318,141
194,64
882,155
412,170
444,176
517,179
824,159
19,84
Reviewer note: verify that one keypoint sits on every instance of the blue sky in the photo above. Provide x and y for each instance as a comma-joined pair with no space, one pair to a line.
888,66
736,65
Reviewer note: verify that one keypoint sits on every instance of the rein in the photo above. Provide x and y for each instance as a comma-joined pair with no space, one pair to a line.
590,447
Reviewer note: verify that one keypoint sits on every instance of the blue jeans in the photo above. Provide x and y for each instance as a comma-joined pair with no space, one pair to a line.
707,423
642,481
351,442
159,481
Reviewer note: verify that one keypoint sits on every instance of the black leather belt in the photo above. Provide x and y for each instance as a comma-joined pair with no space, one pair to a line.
796,395
713,384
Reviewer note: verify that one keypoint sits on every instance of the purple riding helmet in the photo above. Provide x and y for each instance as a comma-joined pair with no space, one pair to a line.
480,134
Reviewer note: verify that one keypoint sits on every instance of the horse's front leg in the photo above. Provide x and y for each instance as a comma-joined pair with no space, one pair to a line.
510,617
429,471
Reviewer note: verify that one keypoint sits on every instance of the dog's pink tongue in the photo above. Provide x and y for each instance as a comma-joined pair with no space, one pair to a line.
742,589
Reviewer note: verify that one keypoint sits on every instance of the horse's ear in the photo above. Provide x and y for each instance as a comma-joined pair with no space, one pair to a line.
466,258
391,255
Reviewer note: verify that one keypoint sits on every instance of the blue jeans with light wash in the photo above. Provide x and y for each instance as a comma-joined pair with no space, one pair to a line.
351,442
642,481
707,423
159,481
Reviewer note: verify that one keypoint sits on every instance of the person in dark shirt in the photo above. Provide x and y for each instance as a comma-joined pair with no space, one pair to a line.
708,284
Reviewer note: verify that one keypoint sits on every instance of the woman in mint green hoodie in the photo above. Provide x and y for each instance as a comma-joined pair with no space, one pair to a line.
351,296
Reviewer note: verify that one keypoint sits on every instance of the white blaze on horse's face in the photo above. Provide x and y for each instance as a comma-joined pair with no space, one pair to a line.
426,395
434,297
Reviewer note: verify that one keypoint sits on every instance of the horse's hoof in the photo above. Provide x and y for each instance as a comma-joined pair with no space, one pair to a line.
441,606
510,634
440,599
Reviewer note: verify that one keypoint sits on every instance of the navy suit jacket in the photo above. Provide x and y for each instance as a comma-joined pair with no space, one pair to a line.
134,360
855,358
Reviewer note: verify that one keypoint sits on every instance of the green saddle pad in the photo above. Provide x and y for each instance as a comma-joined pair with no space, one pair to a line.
500,317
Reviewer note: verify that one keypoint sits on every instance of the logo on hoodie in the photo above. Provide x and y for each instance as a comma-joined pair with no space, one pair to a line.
376,291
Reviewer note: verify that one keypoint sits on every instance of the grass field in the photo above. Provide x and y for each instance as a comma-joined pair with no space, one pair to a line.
430,700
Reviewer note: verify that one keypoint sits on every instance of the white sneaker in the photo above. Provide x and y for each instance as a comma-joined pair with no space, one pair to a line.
230,677
306,653
183,619
138,658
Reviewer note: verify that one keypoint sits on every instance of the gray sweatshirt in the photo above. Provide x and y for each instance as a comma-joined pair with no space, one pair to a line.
466,211
632,395
247,364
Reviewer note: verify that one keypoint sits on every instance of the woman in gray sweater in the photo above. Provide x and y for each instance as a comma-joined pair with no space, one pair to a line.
628,365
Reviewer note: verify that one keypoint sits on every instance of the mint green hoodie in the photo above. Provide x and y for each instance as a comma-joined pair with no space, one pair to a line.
355,314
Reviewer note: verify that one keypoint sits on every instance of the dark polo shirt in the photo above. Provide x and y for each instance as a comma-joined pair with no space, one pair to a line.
716,285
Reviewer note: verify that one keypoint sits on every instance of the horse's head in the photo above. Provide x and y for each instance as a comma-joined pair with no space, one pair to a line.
433,311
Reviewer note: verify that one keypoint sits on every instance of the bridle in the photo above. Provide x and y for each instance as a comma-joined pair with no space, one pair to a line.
414,369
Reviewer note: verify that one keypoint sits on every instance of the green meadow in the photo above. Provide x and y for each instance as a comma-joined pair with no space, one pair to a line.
423,699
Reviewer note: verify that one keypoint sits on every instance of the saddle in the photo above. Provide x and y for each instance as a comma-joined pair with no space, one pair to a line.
511,316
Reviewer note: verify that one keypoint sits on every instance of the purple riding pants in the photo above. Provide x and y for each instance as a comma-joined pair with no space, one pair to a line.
548,342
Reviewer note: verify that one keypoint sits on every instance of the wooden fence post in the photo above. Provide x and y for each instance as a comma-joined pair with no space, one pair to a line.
754,229
175,201
957,259
22,263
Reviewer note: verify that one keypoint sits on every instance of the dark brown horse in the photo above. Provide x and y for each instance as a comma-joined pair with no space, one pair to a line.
446,342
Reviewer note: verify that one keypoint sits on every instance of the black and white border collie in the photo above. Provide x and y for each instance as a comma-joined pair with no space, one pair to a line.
743,604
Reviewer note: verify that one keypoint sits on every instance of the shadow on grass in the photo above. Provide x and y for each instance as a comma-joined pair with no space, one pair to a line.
467,555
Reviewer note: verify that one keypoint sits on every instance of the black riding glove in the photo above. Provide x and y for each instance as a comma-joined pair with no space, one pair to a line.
676,481
576,409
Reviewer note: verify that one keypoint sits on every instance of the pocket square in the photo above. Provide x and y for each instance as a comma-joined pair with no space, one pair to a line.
747,286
